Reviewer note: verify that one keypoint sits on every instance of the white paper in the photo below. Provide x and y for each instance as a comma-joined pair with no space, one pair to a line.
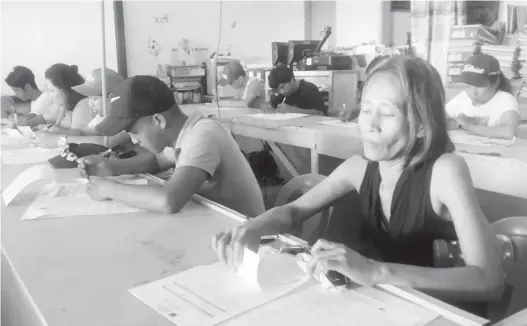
71,199
12,137
338,123
207,295
462,137
26,178
277,116
26,131
311,305
28,155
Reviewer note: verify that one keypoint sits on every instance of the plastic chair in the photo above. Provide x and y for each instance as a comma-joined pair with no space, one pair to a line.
512,237
293,190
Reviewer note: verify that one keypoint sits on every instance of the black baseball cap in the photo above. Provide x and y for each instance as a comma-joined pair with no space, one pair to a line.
231,72
279,75
132,99
72,152
478,69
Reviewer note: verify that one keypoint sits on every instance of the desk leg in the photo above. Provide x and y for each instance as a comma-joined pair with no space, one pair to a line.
283,158
314,161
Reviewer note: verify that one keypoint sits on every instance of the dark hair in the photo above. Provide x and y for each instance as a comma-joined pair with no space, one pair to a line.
64,77
20,77
423,105
280,74
375,62
502,82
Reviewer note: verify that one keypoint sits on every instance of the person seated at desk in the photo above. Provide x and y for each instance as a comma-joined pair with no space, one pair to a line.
294,96
75,112
486,107
92,89
208,160
413,189
45,106
252,91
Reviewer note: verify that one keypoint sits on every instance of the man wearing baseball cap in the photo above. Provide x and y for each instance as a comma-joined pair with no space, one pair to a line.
290,94
207,159
486,107
252,91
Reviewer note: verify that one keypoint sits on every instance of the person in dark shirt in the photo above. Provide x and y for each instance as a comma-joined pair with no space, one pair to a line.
289,93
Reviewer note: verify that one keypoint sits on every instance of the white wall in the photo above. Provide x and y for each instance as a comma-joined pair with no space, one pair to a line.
401,25
323,13
359,21
37,34
248,28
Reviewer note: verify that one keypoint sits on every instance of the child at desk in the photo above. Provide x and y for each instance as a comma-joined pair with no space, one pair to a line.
413,189
207,159
486,107
251,93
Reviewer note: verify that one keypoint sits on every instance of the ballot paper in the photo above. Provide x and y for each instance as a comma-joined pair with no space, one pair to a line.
207,295
211,295
312,305
71,199
34,173
338,123
277,116
12,137
28,155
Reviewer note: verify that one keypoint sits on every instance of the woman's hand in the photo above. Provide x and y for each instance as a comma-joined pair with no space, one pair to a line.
230,245
96,188
327,255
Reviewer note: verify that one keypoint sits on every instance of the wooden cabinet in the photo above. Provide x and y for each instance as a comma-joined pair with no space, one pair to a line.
338,86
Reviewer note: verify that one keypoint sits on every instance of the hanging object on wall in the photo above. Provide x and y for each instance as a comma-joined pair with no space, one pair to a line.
161,20
154,47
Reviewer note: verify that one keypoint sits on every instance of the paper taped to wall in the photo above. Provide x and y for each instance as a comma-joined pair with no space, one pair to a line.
26,178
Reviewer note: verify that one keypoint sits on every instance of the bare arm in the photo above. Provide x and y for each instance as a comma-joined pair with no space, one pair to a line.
508,125
344,179
142,163
168,199
482,277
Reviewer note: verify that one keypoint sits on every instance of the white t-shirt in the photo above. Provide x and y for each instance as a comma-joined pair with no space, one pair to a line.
488,113
47,105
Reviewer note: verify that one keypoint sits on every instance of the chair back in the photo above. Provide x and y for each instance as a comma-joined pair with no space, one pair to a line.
293,190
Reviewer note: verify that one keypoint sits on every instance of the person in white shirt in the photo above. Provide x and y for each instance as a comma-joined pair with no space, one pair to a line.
251,89
45,106
486,107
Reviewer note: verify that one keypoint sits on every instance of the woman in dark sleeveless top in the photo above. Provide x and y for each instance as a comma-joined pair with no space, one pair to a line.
412,188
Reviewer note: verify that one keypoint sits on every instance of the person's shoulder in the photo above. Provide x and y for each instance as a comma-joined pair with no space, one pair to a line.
449,168
505,98
309,86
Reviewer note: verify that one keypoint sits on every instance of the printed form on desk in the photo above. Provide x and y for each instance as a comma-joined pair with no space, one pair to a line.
28,155
277,116
275,292
338,123
463,137
71,199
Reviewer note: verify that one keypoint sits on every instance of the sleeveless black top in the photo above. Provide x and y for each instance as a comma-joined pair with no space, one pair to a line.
408,236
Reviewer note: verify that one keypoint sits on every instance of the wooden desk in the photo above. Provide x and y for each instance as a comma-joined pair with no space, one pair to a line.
509,171
78,270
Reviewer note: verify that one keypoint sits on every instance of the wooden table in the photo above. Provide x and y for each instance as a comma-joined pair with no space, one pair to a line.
509,170
78,270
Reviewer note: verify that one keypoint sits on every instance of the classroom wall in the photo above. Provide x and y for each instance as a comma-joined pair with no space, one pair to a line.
37,34
248,28
361,21
401,25
323,13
